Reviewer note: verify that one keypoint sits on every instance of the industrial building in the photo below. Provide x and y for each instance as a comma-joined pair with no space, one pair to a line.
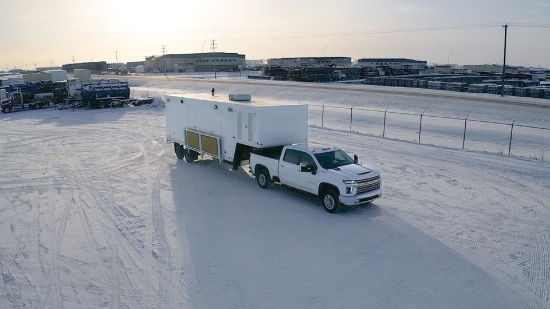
394,63
197,62
132,65
94,67
309,61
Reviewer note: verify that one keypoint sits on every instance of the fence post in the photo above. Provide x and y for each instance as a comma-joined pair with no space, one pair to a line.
351,119
384,132
323,117
420,131
464,136
510,145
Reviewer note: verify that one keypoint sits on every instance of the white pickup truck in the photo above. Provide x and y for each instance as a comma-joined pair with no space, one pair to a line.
326,172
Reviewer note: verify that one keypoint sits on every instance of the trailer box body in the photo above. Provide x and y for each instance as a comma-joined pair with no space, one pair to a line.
57,75
84,75
255,123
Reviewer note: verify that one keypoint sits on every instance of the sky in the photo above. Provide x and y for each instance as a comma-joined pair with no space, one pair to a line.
40,33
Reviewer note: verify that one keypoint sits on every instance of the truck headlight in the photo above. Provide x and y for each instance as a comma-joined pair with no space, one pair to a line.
349,182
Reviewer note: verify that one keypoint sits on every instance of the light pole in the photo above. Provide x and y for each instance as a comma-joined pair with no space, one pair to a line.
202,53
404,54
51,64
448,59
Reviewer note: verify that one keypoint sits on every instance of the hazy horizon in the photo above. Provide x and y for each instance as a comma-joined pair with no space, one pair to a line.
457,32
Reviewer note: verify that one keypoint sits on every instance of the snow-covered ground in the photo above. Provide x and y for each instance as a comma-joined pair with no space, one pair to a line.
96,211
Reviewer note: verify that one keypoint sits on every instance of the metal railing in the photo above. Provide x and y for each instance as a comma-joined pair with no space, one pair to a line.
452,132
467,133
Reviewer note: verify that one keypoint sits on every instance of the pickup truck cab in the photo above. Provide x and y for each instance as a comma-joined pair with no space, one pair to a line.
327,172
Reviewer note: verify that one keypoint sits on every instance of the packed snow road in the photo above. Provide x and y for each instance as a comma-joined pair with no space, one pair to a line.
96,211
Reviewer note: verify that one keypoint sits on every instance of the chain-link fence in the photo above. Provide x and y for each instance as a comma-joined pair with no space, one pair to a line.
452,132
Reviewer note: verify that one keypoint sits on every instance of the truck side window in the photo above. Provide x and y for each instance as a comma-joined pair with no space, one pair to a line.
309,160
292,156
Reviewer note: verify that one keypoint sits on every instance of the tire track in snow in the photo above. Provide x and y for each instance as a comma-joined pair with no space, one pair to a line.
54,288
164,255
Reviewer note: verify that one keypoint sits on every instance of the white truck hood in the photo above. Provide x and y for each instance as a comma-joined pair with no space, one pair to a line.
356,171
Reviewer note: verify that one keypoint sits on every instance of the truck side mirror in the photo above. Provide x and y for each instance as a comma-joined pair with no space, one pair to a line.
355,159
304,167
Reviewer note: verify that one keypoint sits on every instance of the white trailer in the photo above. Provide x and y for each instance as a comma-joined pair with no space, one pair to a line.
229,128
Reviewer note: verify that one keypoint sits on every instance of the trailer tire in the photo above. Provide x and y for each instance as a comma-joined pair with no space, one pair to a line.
179,150
263,178
189,156
329,199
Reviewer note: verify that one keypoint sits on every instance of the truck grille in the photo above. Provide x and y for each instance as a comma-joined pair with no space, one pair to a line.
366,185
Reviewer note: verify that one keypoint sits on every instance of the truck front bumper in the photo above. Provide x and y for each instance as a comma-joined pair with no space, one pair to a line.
362,198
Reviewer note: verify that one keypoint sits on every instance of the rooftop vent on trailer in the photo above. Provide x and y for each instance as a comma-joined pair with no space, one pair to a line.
240,97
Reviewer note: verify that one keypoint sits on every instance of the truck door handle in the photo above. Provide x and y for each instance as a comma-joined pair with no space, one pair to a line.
282,165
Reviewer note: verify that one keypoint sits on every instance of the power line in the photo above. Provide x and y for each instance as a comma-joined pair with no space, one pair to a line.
371,32
530,25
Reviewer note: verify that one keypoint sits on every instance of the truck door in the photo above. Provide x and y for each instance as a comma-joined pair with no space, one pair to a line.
290,174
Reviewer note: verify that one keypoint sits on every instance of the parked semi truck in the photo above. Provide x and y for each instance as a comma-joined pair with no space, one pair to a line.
13,101
272,138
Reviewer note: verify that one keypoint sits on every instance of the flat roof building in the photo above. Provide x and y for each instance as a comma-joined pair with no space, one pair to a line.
309,61
196,62
394,63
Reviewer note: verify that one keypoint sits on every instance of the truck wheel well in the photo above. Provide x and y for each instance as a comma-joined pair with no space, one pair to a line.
258,167
327,186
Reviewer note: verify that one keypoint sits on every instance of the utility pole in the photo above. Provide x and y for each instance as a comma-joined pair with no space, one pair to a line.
164,57
202,53
73,99
504,63
116,55
213,47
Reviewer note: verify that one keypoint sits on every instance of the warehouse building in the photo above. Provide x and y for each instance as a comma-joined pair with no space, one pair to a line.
197,62
309,61
94,67
394,63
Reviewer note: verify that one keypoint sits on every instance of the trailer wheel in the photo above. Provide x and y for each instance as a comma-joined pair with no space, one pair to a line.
180,151
330,201
263,179
189,156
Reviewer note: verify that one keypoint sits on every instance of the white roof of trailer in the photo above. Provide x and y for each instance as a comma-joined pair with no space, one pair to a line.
224,98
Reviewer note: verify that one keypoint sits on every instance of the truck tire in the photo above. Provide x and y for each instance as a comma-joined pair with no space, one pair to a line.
179,150
189,156
330,201
263,178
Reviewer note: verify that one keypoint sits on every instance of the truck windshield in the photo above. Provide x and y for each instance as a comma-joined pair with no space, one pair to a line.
333,159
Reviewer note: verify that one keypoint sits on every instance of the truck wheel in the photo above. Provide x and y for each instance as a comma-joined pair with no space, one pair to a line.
180,152
189,157
3,110
330,201
263,179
